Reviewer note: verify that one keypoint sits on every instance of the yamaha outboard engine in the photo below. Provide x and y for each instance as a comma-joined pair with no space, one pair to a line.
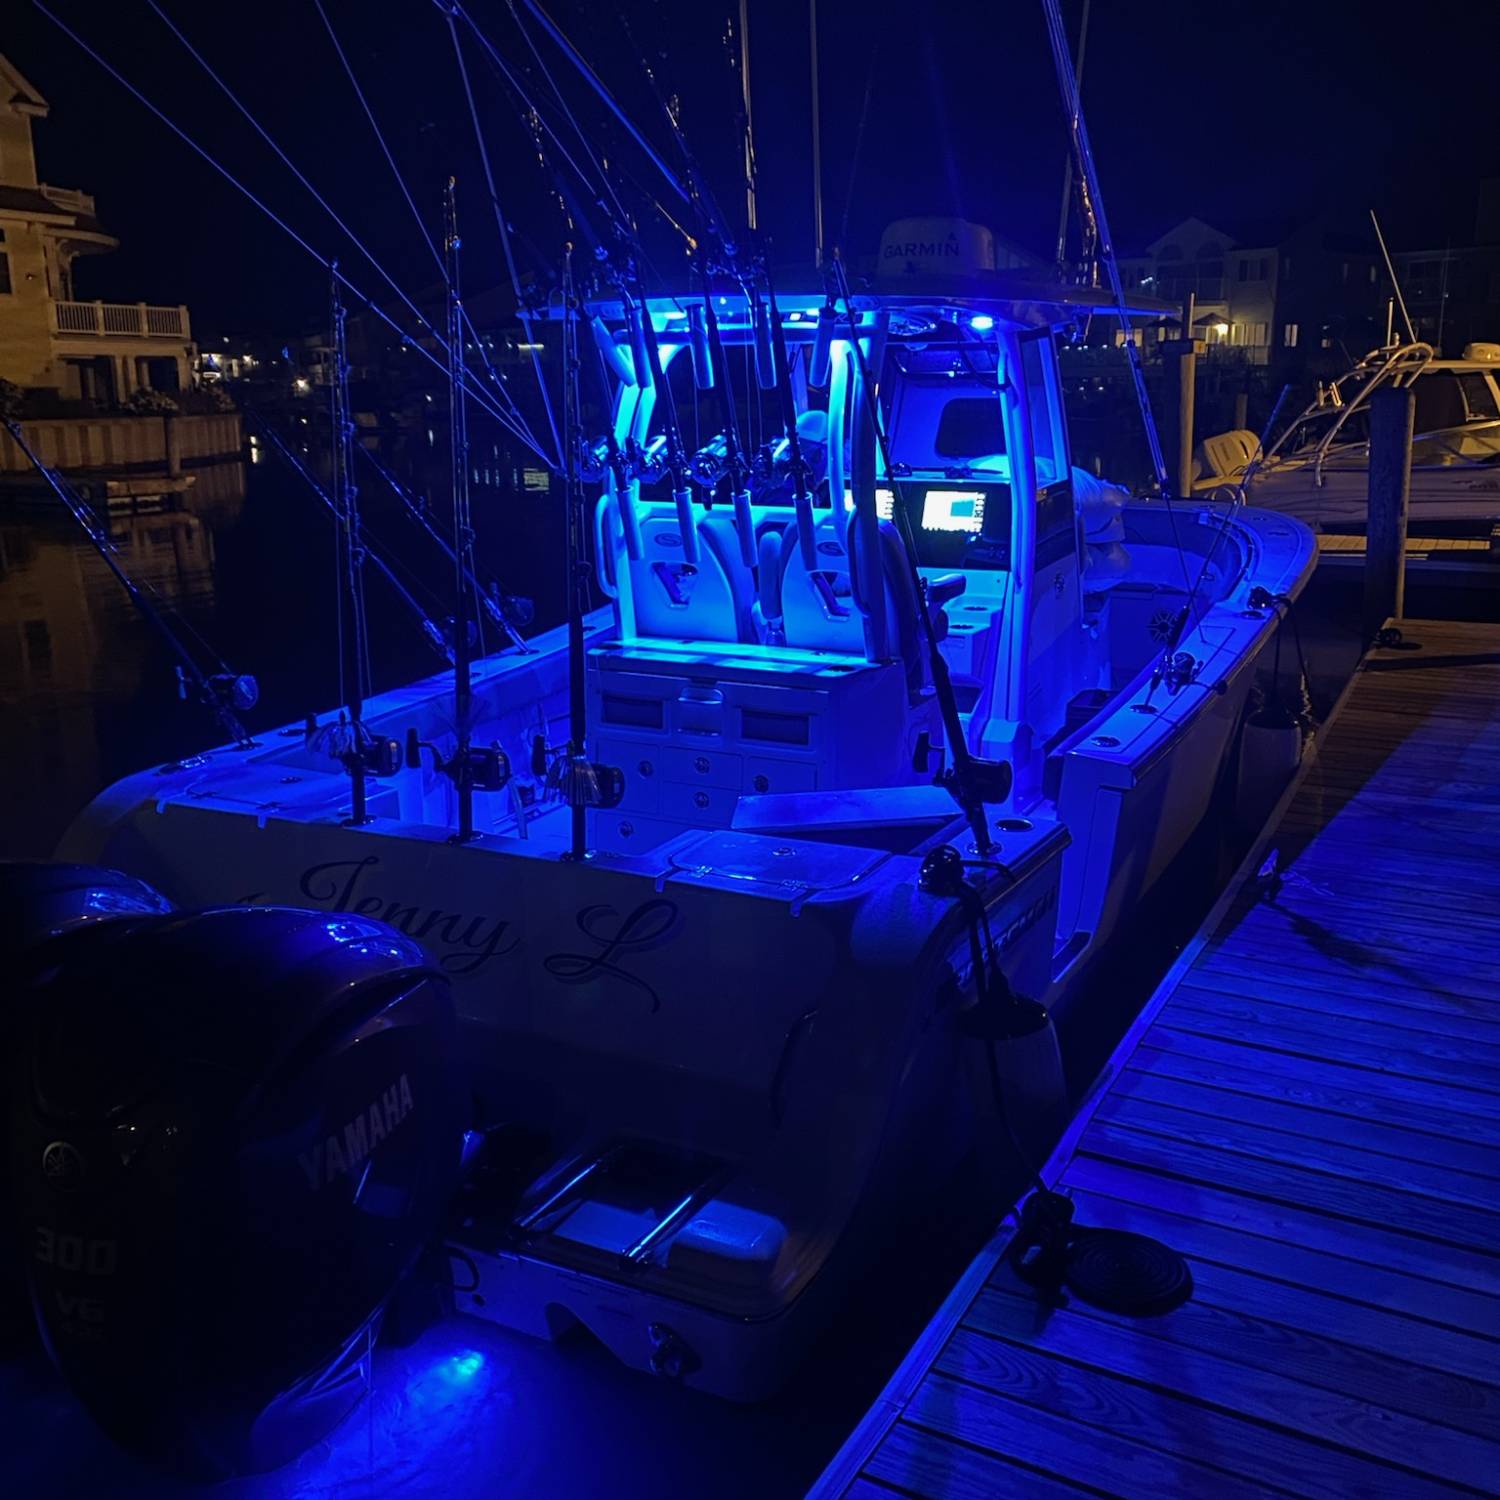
40,903
239,1132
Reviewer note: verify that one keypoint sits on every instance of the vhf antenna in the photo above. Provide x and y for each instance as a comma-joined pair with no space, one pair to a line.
223,691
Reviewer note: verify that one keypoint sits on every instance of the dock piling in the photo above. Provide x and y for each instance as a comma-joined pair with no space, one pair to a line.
1391,414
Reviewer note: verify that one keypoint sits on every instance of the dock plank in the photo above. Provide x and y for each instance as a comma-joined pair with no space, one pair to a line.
1309,1110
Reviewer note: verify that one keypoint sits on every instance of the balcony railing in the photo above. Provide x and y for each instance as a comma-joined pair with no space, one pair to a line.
70,200
120,319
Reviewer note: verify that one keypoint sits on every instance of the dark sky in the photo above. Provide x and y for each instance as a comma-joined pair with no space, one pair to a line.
1239,112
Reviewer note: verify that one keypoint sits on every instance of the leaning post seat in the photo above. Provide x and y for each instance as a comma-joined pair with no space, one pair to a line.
820,613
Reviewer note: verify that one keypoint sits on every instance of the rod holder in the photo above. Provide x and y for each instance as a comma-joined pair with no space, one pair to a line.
744,525
703,364
687,522
765,356
640,357
617,358
822,349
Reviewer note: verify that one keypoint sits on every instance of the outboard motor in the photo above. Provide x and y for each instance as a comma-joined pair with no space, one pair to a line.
238,1133
41,902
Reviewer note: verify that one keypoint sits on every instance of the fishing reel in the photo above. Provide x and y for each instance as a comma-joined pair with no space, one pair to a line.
599,459
485,768
506,609
238,691
647,462
711,462
573,778
594,461
353,746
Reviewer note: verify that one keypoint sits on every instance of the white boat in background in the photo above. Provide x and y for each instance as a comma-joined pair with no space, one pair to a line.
1317,469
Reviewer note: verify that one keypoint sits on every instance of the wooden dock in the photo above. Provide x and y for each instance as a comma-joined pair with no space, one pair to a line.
1309,1110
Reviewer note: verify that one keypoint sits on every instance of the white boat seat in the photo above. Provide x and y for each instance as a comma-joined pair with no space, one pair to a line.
818,612
712,600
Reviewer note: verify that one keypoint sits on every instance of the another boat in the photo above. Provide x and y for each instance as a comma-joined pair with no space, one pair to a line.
1317,469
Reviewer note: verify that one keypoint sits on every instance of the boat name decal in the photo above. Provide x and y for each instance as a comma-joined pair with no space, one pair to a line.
344,1151
471,941
650,925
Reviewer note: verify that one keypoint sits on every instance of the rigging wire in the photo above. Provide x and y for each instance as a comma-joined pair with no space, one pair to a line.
1067,79
522,310
416,213
621,217
406,339
292,167
359,94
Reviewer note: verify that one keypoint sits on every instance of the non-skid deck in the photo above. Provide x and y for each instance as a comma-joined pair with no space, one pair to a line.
1309,1110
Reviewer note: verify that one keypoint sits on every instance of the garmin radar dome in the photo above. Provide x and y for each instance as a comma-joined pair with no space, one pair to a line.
238,1132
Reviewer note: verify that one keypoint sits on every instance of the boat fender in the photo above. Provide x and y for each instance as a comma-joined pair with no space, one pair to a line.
1275,737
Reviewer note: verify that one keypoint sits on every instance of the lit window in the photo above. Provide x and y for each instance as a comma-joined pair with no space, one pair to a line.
1289,336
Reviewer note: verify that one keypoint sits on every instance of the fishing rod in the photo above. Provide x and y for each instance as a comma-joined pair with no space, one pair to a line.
417,508
431,631
1067,81
223,692
796,458
463,532
970,780
360,753
522,311
589,76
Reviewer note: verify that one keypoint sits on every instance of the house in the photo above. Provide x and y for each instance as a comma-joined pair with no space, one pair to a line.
1273,292
100,351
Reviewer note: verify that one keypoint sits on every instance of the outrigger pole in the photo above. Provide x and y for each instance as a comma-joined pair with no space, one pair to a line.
224,691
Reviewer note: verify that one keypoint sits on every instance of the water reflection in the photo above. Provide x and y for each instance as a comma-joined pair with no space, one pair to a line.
246,559
74,653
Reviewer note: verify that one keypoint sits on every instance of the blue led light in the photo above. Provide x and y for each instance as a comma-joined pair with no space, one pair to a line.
981,322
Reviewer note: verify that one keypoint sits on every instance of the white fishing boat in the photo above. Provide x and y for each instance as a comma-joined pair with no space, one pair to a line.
729,1034
746,876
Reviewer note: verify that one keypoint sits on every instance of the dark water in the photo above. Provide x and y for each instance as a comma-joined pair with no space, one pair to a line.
87,687
87,694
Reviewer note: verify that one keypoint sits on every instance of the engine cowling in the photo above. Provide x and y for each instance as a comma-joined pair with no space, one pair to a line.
44,906
238,1132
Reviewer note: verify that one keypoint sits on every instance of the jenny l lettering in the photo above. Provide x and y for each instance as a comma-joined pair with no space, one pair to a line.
651,924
